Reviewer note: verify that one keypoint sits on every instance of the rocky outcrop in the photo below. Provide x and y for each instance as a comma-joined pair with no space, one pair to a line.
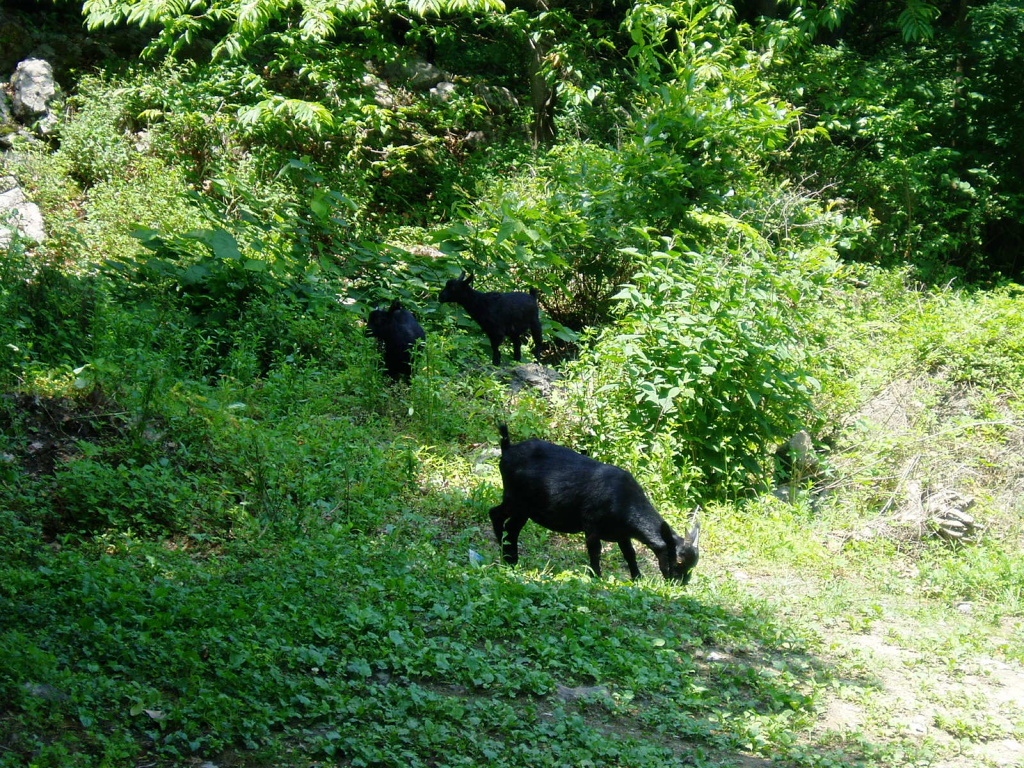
29,107
414,74
401,82
533,376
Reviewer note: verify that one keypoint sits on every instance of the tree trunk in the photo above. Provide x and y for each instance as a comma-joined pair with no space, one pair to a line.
961,29
543,97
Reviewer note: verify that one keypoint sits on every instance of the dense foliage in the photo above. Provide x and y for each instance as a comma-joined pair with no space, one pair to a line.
226,537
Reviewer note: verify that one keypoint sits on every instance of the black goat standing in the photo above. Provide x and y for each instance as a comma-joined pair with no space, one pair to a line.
500,315
398,333
568,492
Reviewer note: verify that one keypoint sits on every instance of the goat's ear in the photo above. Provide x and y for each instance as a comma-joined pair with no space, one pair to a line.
395,305
694,535
462,277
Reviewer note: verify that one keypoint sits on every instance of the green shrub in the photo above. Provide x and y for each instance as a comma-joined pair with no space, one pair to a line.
987,574
924,156
223,302
554,225
712,358
52,317
152,195
95,145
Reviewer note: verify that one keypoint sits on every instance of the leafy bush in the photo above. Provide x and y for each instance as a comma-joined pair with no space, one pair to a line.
153,195
974,338
188,111
225,295
712,357
965,337
702,133
94,143
554,226
708,123
988,574
925,156
52,317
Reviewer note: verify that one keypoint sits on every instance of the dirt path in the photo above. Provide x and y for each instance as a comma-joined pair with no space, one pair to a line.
968,709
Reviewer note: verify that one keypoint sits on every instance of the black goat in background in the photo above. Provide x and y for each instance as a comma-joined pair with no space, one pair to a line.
398,333
500,315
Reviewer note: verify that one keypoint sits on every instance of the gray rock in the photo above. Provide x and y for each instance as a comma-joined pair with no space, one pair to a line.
534,375
427,252
443,91
496,97
417,74
45,692
382,92
946,512
579,692
18,214
486,459
34,88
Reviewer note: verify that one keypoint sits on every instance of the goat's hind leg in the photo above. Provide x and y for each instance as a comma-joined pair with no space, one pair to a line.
506,532
498,518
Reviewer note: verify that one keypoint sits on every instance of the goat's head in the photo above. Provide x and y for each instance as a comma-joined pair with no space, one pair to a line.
456,288
687,553
381,319
377,322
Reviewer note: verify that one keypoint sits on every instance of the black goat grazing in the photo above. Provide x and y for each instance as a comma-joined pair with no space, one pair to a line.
568,492
500,315
397,333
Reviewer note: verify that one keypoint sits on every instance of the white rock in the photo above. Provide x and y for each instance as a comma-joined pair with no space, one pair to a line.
17,213
34,88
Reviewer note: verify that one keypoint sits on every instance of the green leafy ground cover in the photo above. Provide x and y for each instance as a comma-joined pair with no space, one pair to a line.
330,611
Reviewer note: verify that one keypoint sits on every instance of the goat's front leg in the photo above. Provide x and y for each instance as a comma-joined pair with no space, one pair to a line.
496,349
630,554
498,518
517,348
594,550
538,341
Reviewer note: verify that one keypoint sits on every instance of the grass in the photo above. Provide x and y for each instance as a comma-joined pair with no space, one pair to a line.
340,640
333,616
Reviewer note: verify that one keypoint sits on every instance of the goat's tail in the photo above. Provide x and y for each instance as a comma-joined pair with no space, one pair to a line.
505,441
534,292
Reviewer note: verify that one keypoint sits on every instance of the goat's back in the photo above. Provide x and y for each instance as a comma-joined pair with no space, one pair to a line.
406,329
397,327
512,313
568,492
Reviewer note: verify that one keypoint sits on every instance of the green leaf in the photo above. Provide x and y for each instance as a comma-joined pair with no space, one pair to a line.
223,244
197,273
